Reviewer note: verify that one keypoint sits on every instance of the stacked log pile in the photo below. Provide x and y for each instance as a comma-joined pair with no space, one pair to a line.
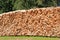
39,21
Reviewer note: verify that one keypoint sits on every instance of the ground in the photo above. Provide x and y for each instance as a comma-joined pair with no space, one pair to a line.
27,38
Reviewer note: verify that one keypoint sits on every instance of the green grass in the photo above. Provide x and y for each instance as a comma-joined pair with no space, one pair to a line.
27,38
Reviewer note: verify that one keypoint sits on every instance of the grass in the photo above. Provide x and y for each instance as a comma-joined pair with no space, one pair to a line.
27,38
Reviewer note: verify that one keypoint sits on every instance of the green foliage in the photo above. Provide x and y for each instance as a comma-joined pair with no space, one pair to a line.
58,2
24,4
46,3
50,2
27,4
10,5
6,5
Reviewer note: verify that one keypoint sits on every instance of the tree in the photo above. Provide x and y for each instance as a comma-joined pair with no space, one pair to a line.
6,5
58,2
10,5
49,3
24,4
27,4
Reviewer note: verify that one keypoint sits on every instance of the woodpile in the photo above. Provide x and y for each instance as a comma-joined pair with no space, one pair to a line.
36,22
